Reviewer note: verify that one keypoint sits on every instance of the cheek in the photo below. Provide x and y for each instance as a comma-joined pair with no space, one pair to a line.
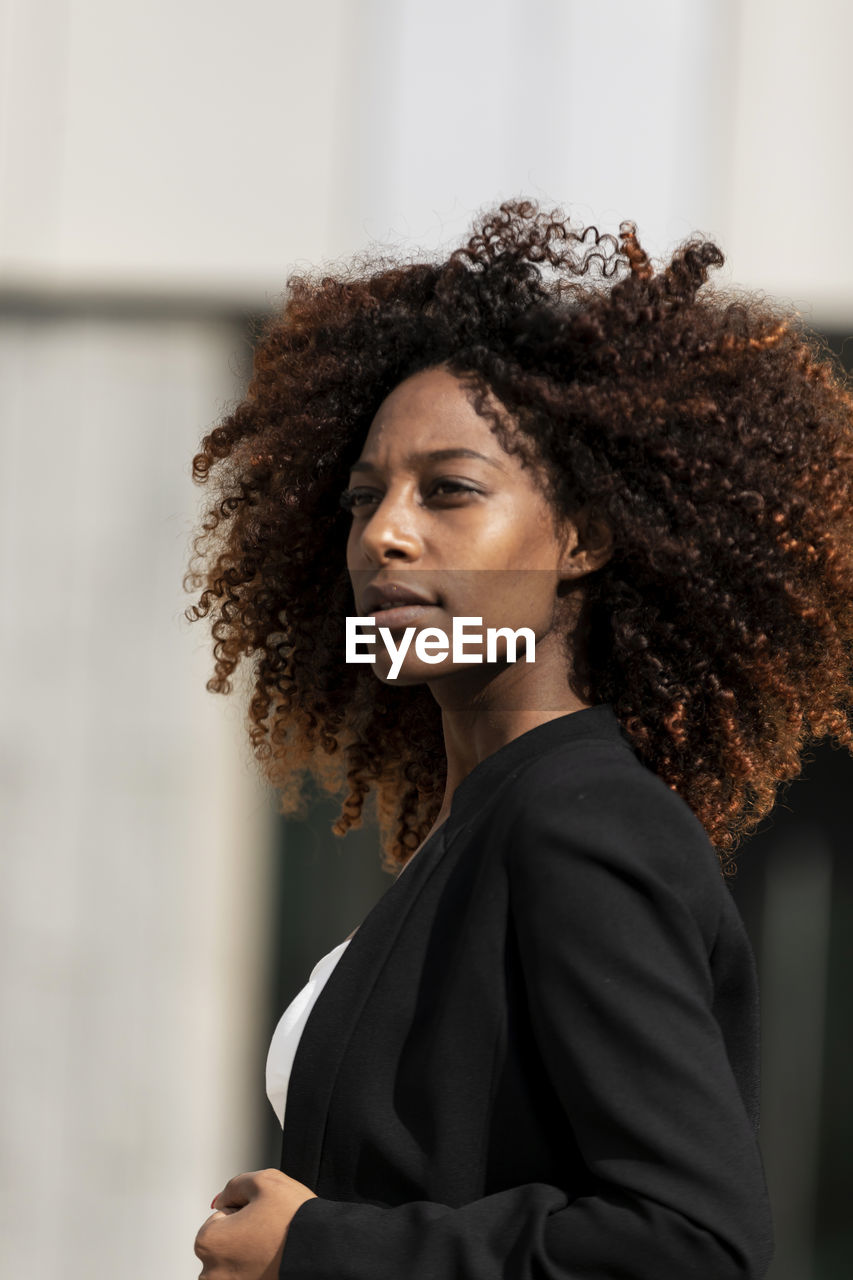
351,543
507,598
501,532
517,531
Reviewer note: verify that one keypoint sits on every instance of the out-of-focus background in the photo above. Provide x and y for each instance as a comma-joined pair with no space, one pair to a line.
164,166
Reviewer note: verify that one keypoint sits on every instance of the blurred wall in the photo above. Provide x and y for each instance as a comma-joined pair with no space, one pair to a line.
171,146
133,832
178,147
162,168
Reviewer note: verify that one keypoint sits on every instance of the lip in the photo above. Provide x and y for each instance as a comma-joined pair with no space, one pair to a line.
393,593
404,615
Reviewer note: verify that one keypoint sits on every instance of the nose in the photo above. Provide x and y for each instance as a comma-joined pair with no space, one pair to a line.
391,530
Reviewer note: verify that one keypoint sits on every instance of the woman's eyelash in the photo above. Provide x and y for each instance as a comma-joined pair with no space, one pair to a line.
349,497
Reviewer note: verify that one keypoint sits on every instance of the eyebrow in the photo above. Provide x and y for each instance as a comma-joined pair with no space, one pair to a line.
434,455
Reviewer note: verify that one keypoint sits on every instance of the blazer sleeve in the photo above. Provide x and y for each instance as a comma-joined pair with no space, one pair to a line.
615,895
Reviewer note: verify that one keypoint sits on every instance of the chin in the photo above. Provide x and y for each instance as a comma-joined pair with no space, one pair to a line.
410,673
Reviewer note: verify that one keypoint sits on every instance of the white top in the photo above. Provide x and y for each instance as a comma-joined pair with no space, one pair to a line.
285,1038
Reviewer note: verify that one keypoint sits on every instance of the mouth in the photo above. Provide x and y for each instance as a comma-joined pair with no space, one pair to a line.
388,596
401,615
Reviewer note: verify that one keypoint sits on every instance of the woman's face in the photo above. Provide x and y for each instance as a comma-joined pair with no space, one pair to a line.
439,508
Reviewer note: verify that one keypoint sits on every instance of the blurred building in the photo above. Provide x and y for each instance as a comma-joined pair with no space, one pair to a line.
163,167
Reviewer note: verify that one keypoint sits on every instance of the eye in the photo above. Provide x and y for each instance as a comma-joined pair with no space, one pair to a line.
455,485
351,499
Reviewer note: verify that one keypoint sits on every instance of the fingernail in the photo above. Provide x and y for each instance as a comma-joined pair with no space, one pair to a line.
213,1201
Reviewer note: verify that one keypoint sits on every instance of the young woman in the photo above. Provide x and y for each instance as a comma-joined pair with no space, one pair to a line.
538,1053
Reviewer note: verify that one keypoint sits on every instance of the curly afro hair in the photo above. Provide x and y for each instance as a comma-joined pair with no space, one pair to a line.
711,430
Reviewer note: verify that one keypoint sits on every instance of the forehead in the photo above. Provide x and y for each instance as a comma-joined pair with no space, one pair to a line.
431,405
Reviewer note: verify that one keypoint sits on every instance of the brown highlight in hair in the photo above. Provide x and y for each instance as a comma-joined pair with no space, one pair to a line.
711,430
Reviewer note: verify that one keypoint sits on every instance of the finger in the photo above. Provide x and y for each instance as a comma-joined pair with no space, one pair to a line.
236,1192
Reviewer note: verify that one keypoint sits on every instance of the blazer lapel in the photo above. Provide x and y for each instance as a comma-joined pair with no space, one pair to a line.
334,1015
330,1025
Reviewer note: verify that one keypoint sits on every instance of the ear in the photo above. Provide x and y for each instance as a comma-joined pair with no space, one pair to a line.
587,543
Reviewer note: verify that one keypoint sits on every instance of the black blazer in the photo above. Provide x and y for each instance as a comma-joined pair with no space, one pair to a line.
538,1055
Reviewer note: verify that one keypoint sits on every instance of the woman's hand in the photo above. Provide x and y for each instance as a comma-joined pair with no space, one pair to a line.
244,1238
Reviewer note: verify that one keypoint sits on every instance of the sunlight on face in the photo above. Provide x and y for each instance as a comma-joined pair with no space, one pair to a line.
439,507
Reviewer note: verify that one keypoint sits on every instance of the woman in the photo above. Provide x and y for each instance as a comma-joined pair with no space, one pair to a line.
538,1054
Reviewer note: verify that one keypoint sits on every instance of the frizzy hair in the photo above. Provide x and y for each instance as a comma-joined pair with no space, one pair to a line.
711,430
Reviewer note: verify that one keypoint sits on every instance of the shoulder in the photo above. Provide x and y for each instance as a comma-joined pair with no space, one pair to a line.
592,813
